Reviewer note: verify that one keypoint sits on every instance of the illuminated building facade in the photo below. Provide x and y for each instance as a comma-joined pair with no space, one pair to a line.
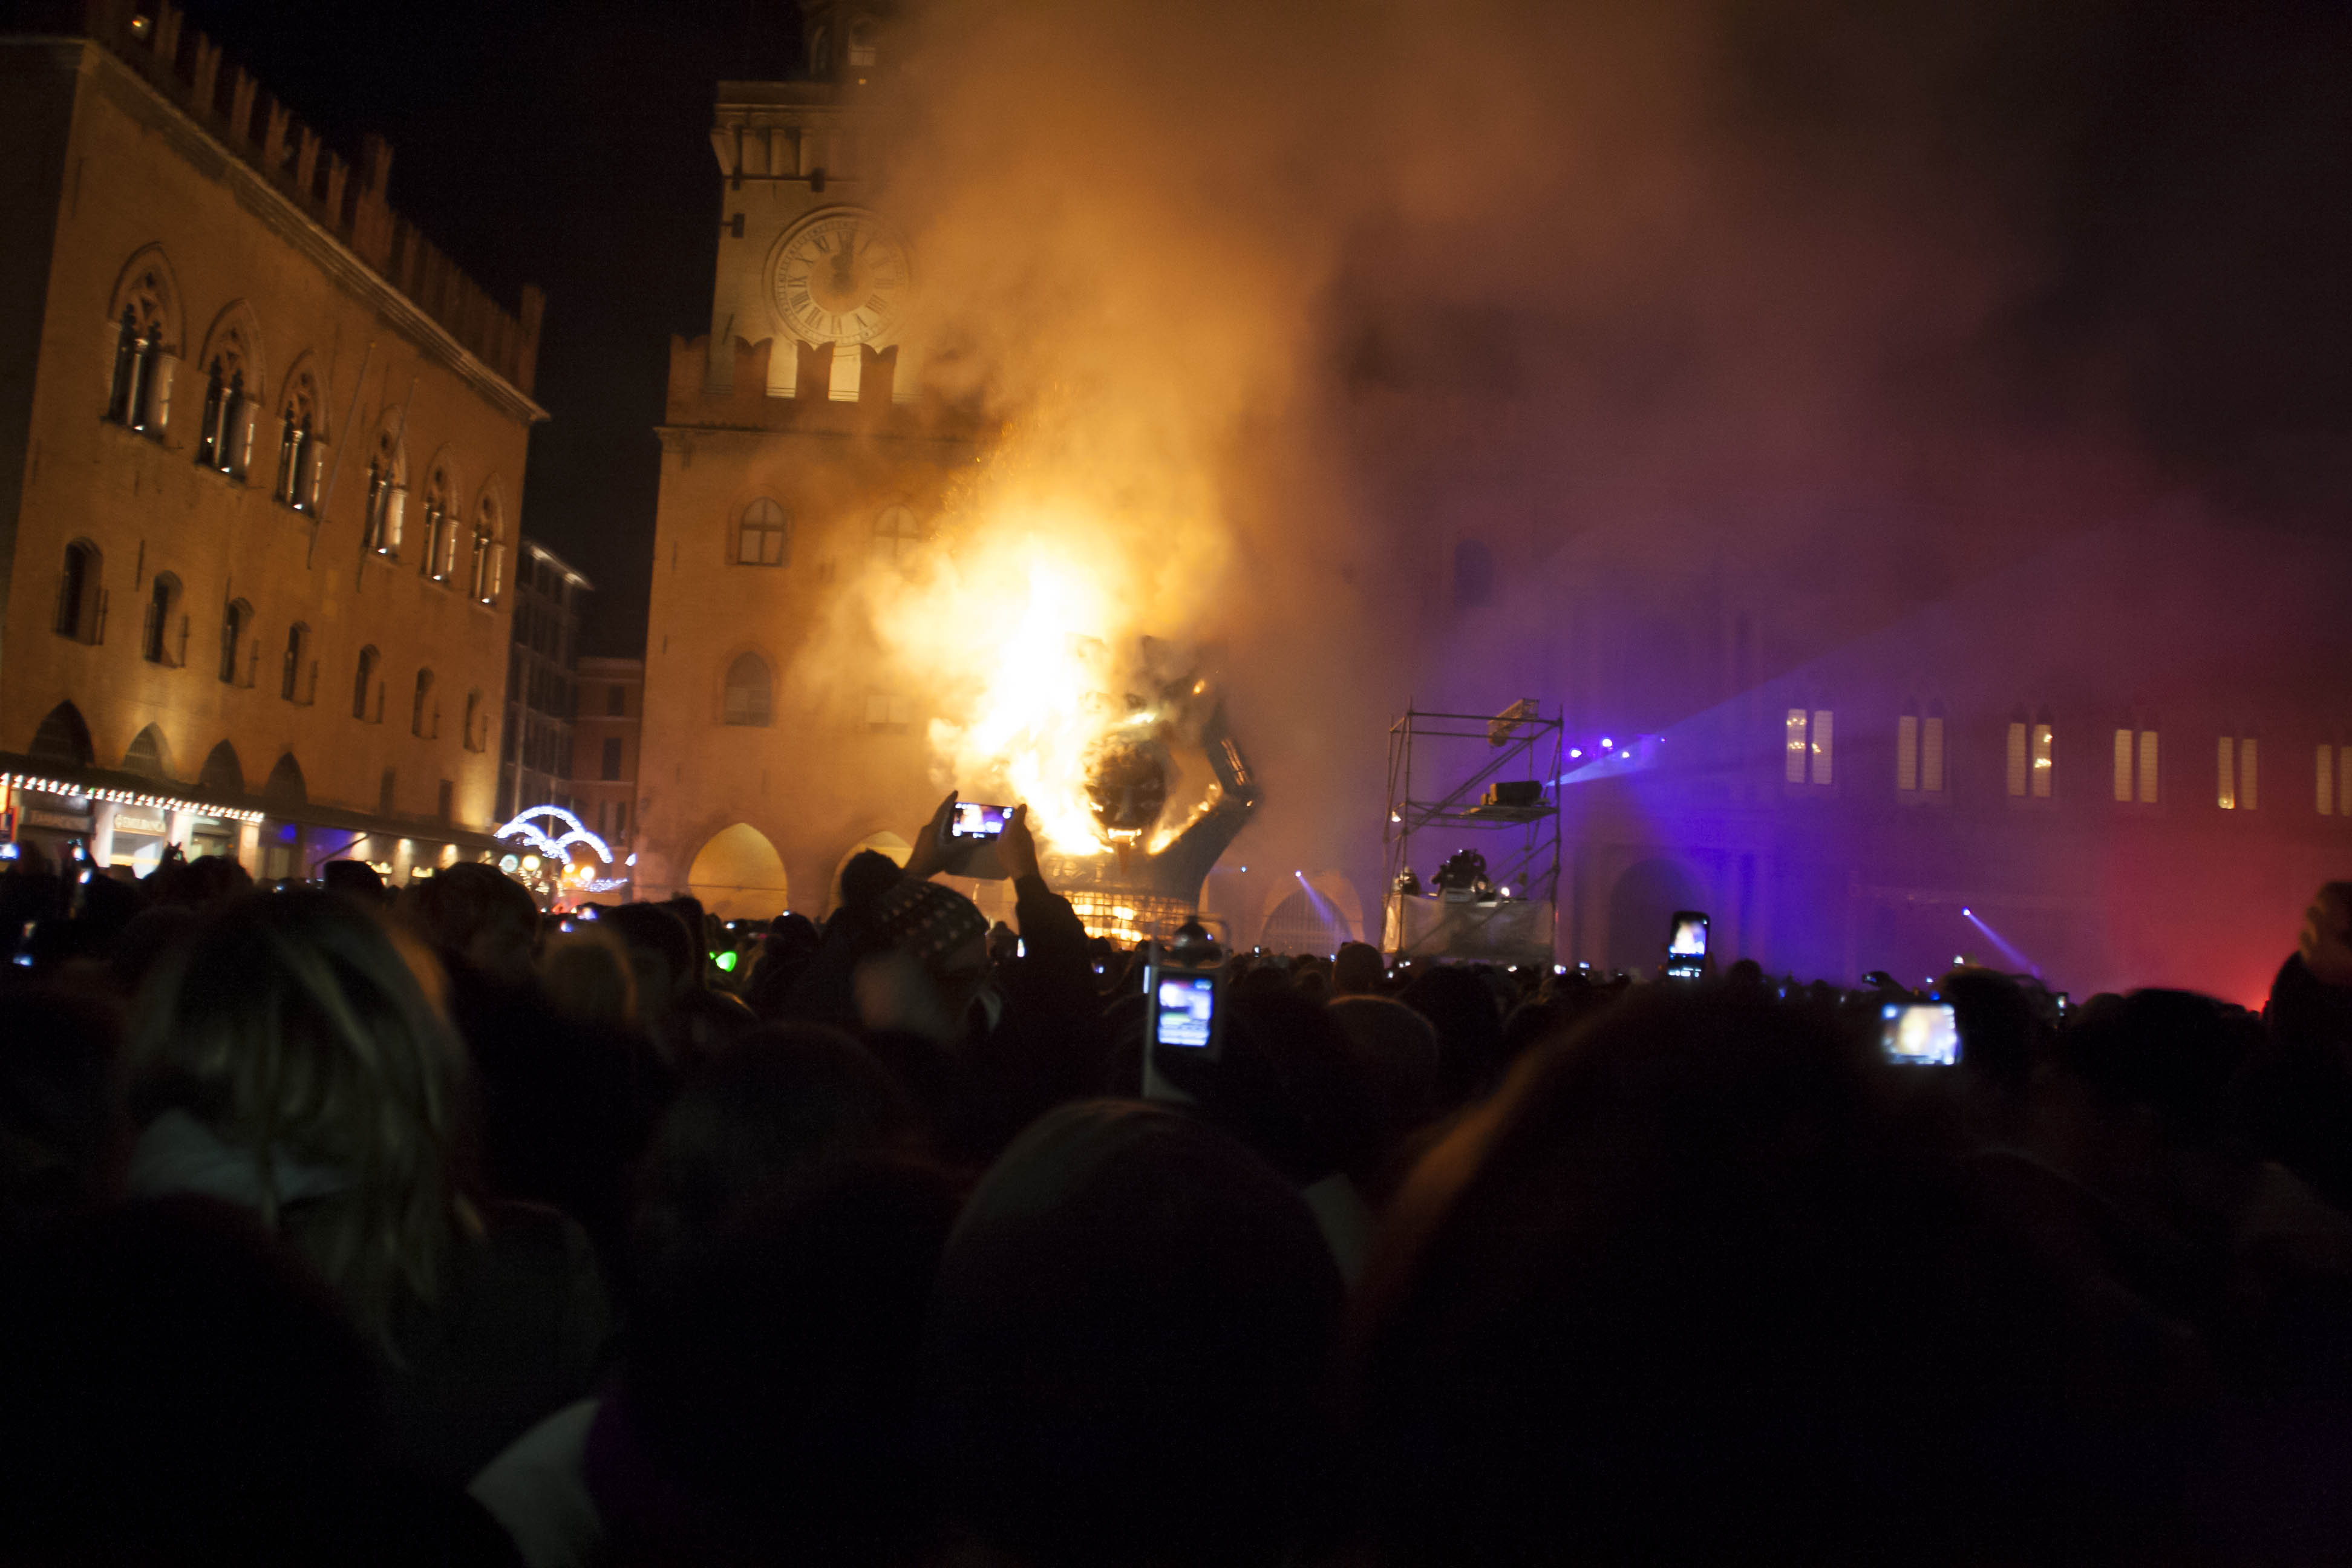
535,759
799,446
2118,758
605,734
261,449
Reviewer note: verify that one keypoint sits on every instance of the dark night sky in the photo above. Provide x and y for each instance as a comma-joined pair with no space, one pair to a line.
2185,168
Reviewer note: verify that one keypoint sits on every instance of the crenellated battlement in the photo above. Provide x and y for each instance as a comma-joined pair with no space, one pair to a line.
188,68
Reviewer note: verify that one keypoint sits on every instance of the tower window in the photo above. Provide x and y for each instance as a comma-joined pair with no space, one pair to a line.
897,535
749,694
764,535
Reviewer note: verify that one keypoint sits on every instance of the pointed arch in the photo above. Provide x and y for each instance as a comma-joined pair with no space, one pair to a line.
303,434
150,754
223,774
486,562
387,482
234,342
147,288
63,738
285,785
438,523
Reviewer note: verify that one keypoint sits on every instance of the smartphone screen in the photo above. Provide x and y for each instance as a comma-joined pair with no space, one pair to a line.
1686,945
1920,1033
1689,940
974,820
1184,1008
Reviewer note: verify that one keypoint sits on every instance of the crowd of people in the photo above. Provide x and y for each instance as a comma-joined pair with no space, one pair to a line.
338,1226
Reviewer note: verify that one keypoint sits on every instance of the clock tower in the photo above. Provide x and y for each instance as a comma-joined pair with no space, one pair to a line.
800,453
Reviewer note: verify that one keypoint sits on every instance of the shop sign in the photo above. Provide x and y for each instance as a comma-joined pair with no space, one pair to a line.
70,822
126,823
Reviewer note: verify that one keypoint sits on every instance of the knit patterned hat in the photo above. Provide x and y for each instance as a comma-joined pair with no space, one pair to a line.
923,919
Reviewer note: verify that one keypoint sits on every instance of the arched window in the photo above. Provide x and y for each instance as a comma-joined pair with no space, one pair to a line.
363,685
300,442
439,532
763,538
300,679
897,535
420,709
165,636
237,622
747,690
231,370
81,597
142,328
387,494
489,553
477,726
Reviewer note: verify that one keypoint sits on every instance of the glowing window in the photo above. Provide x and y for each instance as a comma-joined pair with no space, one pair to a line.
1931,753
1794,768
1907,753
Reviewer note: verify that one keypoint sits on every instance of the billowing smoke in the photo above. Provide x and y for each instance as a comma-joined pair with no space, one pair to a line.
1495,347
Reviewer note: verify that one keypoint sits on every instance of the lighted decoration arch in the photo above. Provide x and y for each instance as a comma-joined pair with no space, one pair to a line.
551,845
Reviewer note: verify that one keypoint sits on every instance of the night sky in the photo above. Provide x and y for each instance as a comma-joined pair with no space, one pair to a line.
2185,168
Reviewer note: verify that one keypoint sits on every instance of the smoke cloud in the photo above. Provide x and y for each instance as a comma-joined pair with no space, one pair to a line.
1502,348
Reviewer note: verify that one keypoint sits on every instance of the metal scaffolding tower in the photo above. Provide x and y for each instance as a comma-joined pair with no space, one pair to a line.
1521,827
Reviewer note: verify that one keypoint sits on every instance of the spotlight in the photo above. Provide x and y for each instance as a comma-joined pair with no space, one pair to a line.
1965,912
1606,742
1574,752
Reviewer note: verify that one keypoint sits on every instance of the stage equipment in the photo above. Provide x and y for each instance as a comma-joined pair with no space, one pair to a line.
1498,796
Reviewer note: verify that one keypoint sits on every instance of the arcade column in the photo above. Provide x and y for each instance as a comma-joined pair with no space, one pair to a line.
102,833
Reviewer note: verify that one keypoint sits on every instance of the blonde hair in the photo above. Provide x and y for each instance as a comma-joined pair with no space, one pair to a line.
298,1028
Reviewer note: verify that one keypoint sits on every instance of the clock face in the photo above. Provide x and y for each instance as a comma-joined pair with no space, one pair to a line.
841,278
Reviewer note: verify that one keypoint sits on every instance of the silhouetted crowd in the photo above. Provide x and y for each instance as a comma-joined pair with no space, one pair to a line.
338,1227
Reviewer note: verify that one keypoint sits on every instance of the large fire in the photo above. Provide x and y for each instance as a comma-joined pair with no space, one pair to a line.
1020,628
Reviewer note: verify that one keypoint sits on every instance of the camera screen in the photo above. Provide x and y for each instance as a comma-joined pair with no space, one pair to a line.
974,820
1690,937
1186,1005
1921,1033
